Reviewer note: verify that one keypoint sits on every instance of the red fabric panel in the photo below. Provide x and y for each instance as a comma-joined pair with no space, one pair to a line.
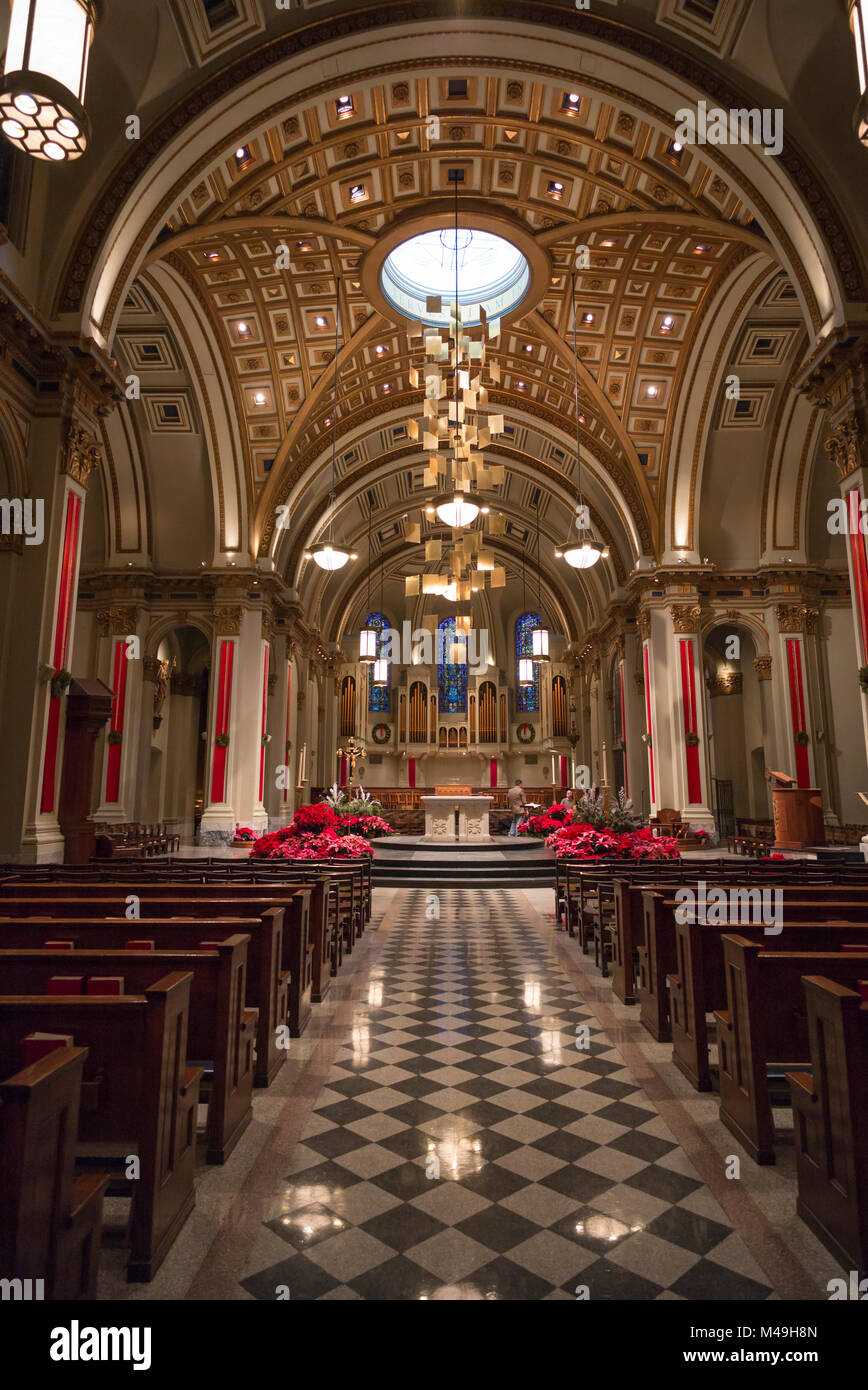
68,566
264,716
797,704
224,700
648,715
119,684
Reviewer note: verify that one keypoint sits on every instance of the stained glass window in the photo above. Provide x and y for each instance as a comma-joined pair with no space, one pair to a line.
378,695
451,675
527,696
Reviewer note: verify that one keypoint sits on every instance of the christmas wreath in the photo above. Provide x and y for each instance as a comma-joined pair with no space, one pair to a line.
525,733
381,733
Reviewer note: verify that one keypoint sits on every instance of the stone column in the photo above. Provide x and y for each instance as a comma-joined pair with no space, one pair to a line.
63,452
686,715
235,725
120,665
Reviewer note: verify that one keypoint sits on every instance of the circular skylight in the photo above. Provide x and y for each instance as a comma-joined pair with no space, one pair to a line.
492,274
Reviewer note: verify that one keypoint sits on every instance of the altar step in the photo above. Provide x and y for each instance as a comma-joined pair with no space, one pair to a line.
461,865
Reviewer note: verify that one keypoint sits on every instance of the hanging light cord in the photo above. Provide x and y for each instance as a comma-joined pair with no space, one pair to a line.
333,494
576,371
455,386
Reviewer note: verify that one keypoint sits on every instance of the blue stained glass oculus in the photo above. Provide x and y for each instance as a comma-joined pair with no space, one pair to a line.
527,696
451,675
378,695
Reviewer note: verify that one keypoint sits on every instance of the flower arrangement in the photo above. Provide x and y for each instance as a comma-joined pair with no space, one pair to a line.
540,825
701,836
245,833
284,844
560,812
369,827
592,811
362,804
580,841
312,820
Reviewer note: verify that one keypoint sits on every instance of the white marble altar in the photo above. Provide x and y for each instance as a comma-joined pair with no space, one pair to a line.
472,817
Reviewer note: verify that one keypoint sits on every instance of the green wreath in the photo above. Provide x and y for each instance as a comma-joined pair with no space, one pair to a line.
525,733
381,733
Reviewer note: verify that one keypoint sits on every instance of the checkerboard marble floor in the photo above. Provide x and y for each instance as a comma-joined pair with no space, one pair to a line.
479,1137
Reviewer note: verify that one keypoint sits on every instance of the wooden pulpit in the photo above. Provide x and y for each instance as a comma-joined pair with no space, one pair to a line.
88,708
798,813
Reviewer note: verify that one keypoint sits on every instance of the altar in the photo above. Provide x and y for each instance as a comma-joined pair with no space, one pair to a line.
440,808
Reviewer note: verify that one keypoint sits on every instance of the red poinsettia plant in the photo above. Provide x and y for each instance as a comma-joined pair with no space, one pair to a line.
311,820
244,832
540,825
370,827
582,841
283,844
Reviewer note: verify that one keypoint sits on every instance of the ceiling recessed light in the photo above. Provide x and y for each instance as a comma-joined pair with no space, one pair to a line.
379,349
528,347
555,188
667,324
344,106
699,250
320,321
243,330
358,193
608,242
588,318
259,398
652,391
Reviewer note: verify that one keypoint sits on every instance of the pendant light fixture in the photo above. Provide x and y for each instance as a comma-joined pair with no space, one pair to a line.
380,668
455,509
540,635
368,635
525,664
45,75
585,553
325,553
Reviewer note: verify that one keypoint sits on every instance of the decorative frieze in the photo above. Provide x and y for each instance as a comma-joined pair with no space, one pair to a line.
725,683
117,621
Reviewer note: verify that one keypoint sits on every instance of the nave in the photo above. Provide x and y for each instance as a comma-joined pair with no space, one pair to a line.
559,1169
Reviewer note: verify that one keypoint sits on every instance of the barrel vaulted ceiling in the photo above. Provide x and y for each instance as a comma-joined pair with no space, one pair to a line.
700,263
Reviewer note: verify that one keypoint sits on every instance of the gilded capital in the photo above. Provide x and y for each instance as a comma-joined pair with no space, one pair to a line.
763,667
792,618
80,454
117,621
686,617
725,683
227,621
846,447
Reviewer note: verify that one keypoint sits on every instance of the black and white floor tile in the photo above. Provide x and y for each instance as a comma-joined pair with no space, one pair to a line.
472,1141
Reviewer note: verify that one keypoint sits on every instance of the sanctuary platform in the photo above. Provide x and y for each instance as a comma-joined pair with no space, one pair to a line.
499,862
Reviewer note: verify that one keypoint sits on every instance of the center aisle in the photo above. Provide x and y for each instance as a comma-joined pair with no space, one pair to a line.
463,1146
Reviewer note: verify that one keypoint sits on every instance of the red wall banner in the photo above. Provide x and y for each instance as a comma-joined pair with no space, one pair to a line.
119,685
492,773
263,721
797,704
623,726
648,717
860,568
68,567
224,701
411,772
286,751
688,691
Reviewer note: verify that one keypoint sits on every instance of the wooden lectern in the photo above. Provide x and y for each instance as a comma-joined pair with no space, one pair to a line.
798,813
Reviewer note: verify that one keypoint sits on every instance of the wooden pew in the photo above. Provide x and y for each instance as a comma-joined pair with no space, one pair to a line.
221,1029
764,1026
657,955
830,1109
284,946
138,1097
699,987
173,924
50,1220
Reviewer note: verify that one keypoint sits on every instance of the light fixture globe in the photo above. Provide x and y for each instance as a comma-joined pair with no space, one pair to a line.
455,509
329,556
525,671
539,640
582,557
45,74
380,674
368,644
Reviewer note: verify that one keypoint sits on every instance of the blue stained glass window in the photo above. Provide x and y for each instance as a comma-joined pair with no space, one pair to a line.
527,696
451,675
378,695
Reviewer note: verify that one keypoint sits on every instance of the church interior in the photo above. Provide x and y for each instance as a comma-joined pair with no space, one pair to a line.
434,651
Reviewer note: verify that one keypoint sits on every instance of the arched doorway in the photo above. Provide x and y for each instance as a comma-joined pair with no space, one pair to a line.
738,721
176,752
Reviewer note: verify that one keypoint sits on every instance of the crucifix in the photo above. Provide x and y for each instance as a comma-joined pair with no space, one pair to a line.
353,752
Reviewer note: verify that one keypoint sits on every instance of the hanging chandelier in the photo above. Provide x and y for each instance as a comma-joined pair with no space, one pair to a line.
587,552
368,635
327,554
456,510
540,635
45,74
